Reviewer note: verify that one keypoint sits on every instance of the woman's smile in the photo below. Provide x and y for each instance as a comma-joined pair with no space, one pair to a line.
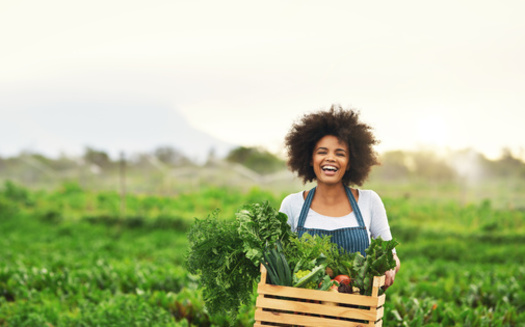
330,159
329,170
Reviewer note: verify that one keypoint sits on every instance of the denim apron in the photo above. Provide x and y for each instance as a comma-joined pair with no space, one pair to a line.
350,239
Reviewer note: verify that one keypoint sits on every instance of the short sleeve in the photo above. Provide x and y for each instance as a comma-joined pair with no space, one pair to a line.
378,218
287,208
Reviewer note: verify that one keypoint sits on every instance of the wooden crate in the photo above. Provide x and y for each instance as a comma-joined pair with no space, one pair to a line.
292,306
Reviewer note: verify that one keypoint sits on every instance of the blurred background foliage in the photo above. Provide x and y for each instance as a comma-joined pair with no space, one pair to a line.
464,174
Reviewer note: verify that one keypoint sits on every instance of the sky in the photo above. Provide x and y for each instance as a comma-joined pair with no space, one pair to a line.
446,75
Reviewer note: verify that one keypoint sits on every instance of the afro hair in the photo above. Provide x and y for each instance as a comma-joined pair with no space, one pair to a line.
343,124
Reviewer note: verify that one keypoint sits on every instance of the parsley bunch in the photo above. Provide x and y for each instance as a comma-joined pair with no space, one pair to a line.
227,253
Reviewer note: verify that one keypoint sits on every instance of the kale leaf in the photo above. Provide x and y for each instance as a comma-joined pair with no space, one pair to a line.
260,226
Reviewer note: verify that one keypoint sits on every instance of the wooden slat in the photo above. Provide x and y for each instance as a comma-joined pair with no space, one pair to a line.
381,300
320,309
376,284
327,308
263,275
301,320
379,313
379,281
316,295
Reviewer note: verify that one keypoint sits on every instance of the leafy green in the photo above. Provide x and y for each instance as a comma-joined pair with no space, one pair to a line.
227,256
380,256
261,225
309,256
227,253
309,251
326,283
379,259
309,278
216,253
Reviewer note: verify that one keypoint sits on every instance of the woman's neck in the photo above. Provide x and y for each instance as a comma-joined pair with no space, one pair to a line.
331,200
330,193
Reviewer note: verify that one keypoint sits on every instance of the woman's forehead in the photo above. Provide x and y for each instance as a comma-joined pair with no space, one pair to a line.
332,141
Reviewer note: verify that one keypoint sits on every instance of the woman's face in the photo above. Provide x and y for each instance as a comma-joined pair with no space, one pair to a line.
330,160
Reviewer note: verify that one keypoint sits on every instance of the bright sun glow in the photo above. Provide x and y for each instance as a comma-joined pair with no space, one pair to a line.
432,130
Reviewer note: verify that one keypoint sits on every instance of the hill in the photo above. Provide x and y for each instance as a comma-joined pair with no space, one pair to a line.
68,126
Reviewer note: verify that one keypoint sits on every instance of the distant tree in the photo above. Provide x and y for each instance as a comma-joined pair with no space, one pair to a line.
418,165
508,165
428,165
257,159
97,157
41,159
393,166
63,163
171,156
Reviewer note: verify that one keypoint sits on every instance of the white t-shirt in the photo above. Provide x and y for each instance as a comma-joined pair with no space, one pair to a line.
370,204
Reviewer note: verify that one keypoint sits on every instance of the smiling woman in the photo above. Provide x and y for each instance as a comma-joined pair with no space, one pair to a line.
334,149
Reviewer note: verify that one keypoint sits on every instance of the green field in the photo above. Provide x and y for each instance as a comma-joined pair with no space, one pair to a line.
68,257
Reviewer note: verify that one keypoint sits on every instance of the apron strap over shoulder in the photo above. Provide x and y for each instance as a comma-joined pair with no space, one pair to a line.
350,239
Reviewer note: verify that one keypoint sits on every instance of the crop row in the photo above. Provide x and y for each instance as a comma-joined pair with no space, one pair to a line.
446,293
79,274
69,258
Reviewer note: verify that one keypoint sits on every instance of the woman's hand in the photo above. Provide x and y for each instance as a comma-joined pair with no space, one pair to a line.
391,274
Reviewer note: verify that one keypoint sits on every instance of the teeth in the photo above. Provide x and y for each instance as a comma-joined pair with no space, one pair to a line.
329,168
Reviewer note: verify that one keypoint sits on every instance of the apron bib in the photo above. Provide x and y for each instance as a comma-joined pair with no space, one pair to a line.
349,239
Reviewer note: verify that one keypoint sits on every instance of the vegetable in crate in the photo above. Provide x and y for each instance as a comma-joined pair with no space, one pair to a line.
308,255
277,266
379,259
227,254
307,252
308,278
260,226
217,256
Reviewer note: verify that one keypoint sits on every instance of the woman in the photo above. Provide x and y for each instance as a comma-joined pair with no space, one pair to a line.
336,150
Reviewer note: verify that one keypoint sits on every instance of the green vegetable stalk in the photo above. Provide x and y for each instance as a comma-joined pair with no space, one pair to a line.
277,266
379,259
